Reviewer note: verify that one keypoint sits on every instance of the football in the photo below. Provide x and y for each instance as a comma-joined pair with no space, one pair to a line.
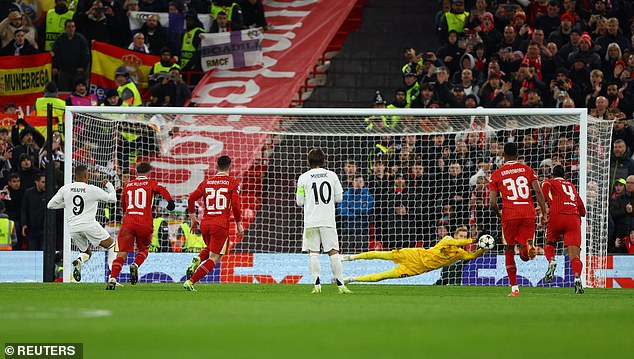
486,241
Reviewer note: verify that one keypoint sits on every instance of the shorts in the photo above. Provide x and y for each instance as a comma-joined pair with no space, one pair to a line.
519,230
215,237
568,225
316,237
128,233
92,235
409,262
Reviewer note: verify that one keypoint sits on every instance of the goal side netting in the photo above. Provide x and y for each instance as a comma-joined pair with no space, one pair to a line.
409,178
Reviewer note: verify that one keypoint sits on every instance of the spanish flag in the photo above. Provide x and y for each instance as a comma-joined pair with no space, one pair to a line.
23,78
39,122
107,58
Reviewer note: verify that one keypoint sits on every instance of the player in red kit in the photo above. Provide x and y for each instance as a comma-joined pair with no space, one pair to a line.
137,199
513,180
566,210
221,197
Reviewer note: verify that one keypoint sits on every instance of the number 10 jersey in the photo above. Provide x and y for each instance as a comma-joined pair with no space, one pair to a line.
137,200
317,191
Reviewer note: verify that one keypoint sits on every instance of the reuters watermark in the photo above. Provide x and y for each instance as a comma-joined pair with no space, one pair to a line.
44,350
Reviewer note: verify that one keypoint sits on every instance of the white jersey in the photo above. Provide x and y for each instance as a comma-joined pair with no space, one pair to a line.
81,200
317,191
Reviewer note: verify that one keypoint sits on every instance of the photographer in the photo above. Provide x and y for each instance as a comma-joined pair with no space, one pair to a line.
170,89
96,23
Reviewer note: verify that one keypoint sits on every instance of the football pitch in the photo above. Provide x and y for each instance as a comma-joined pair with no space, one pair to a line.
286,321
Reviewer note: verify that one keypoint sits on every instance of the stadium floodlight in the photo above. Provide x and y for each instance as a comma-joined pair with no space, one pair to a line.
443,155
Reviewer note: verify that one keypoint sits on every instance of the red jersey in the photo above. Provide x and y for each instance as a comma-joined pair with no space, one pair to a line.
513,181
562,197
221,196
137,199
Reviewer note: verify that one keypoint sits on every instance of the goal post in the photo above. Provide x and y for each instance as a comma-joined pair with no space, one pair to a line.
415,182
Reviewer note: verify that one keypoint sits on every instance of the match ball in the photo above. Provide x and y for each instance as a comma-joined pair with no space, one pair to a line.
486,241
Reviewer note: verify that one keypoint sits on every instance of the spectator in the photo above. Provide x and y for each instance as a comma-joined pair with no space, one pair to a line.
253,13
489,34
16,21
585,53
624,244
81,97
156,36
112,98
355,210
33,210
621,165
29,141
571,45
27,170
454,19
450,52
56,24
71,56
616,99
220,23
619,188
5,162
190,54
613,35
19,46
127,89
349,174
10,240
96,23
50,97
181,93
13,194
57,158
401,215
138,44
233,11
550,21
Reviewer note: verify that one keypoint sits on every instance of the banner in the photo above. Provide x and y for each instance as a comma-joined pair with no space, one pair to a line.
23,78
229,50
174,22
107,58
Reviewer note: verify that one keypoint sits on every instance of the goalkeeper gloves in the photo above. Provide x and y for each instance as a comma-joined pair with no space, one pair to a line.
170,206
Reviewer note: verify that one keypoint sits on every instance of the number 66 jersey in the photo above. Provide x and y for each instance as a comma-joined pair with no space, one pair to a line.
513,181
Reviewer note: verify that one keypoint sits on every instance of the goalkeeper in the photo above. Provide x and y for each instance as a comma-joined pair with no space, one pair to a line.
415,261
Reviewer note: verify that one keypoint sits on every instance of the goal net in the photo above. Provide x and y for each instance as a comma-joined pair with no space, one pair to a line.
409,176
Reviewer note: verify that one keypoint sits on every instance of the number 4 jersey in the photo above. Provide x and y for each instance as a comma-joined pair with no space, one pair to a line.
81,200
221,196
513,181
317,191
137,200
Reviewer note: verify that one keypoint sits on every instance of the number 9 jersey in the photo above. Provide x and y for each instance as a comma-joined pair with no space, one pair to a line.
513,181
317,191
221,196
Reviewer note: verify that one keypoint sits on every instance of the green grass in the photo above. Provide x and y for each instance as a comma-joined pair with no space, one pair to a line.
285,321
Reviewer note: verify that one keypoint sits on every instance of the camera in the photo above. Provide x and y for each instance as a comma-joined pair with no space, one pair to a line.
560,85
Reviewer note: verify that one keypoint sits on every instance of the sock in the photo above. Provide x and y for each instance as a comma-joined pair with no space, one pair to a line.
336,268
315,266
576,265
111,255
515,288
549,251
203,255
117,264
387,255
202,270
83,257
140,257
392,273
511,269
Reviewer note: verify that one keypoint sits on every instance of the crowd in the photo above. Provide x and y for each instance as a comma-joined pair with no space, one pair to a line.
71,26
413,190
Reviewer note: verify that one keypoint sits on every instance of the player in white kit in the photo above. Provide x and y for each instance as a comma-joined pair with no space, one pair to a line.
81,200
318,190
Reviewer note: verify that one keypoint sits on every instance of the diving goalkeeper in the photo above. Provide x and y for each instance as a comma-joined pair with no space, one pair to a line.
415,261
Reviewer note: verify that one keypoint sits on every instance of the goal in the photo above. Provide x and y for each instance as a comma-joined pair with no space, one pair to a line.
406,185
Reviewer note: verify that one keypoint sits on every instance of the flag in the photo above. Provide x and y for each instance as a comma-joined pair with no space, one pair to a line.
107,58
229,50
23,78
39,122
136,19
